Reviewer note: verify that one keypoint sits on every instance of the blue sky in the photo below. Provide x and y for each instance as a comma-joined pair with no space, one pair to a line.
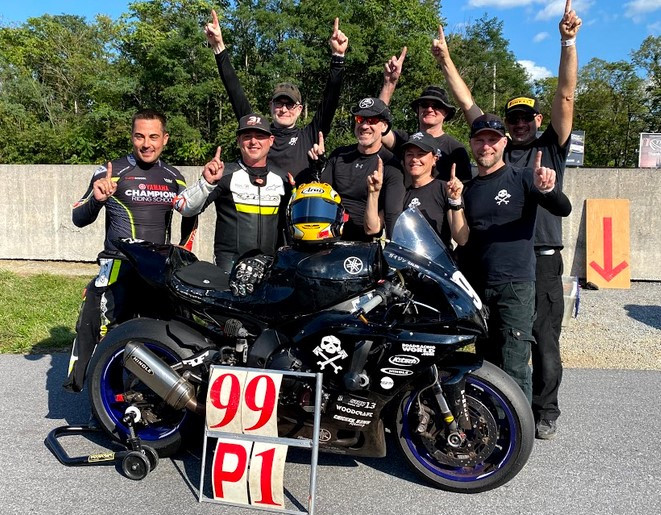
611,29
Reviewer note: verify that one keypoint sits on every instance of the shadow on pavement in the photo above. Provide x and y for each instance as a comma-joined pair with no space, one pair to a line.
649,315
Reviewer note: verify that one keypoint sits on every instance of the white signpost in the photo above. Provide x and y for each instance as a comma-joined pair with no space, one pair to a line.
249,458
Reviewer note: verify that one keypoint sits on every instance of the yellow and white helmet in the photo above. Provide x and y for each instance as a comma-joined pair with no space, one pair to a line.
315,214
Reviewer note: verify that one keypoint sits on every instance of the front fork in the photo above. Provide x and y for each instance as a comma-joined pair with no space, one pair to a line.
451,402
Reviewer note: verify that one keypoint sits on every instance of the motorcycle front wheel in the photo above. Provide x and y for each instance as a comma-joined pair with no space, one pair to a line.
494,449
112,389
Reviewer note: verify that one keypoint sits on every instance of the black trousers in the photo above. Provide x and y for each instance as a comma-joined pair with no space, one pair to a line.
546,362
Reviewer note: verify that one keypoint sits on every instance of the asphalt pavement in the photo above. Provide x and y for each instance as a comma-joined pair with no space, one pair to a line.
606,459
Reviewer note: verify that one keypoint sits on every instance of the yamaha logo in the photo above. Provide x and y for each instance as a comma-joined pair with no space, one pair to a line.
365,103
142,365
404,360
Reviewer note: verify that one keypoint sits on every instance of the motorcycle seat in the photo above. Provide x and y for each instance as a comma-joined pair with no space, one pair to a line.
205,275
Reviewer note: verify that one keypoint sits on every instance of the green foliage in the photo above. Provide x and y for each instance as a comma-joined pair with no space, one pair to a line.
68,88
47,321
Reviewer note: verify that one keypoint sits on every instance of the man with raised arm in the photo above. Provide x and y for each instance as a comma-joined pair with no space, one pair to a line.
290,147
137,192
499,259
432,108
523,119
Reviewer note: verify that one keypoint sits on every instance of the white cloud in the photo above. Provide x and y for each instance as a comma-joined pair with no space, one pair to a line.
534,71
540,37
637,9
554,9
654,28
502,4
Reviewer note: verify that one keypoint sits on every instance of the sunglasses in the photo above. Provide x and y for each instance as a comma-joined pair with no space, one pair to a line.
279,104
371,120
487,124
434,105
516,118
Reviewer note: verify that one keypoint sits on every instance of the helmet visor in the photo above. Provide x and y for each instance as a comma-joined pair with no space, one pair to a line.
314,210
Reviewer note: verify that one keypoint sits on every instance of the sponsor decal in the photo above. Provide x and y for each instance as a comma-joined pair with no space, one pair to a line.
417,136
324,435
365,103
141,195
330,350
143,365
293,141
415,202
521,101
313,190
102,456
254,120
404,360
502,197
357,403
387,383
397,372
425,350
353,411
356,422
353,265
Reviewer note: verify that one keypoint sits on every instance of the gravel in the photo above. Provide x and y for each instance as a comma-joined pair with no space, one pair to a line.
616,329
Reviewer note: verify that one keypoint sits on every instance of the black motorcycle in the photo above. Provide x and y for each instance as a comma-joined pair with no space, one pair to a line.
385,326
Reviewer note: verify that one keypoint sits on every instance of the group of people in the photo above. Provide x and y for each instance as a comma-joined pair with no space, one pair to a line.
505,221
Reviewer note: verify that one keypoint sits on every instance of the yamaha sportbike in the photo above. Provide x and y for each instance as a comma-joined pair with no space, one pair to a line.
385,325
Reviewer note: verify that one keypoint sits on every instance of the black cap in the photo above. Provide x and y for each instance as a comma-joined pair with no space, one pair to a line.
487,122
289,90
422,140
372,107
253,122
522,103
436,94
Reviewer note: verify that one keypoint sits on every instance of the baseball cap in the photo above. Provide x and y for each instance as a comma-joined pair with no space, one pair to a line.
522,103
289,90
487,122
372,107
436,94
253,122
423,141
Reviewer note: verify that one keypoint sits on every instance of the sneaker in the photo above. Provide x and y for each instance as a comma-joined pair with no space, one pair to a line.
546,429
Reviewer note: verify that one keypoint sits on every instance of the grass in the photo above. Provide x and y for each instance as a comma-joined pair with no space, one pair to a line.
38,313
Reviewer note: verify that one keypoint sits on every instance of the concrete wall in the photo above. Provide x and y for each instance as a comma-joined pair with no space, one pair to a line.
35,215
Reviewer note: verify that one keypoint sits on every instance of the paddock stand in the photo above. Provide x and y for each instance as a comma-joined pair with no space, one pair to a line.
137,460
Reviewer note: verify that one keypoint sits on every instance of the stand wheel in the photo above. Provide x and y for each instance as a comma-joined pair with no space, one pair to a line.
135,465
152,456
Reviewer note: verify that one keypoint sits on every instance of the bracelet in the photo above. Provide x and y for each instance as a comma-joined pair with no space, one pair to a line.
455,205
568,42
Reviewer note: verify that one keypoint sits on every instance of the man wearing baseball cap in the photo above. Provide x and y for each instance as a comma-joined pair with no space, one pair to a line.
432,108
499,259
523,119
289,151
439,201
348,167
250,196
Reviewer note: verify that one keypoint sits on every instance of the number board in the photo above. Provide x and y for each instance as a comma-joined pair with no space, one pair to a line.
249,457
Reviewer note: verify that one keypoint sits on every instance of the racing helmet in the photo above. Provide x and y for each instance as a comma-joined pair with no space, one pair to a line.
315,214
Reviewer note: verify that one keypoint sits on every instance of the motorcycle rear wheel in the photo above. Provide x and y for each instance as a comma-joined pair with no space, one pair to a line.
496,448
108,379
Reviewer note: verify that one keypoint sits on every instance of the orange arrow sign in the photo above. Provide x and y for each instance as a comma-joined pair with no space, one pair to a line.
608,263
608,272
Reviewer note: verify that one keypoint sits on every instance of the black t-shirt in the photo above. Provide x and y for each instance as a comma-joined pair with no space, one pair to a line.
347,170
549,227
141,207
450,151
501,209
432,201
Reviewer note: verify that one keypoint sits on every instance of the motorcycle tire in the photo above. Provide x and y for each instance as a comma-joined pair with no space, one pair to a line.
108,380
496,447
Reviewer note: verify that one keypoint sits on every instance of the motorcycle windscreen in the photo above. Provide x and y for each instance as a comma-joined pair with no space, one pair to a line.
413,232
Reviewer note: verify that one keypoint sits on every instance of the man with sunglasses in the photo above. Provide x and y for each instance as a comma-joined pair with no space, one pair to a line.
523,119
432,108
499,259
348,167
290,148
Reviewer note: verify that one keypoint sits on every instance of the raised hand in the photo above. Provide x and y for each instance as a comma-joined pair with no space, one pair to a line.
393,68
105,187
544,177
570,23
317,149
454,186
439,48
213,170
338,41
375,179
214,34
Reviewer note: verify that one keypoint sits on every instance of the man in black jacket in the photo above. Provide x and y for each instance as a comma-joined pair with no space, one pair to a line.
291,144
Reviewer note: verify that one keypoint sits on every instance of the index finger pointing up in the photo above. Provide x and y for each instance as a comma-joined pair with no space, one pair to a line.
452,171
568,6
402,55
538,160
214,17
336,25
217,156
441,36
109,171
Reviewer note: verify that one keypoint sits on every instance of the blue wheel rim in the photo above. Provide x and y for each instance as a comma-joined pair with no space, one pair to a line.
501,455
112,383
